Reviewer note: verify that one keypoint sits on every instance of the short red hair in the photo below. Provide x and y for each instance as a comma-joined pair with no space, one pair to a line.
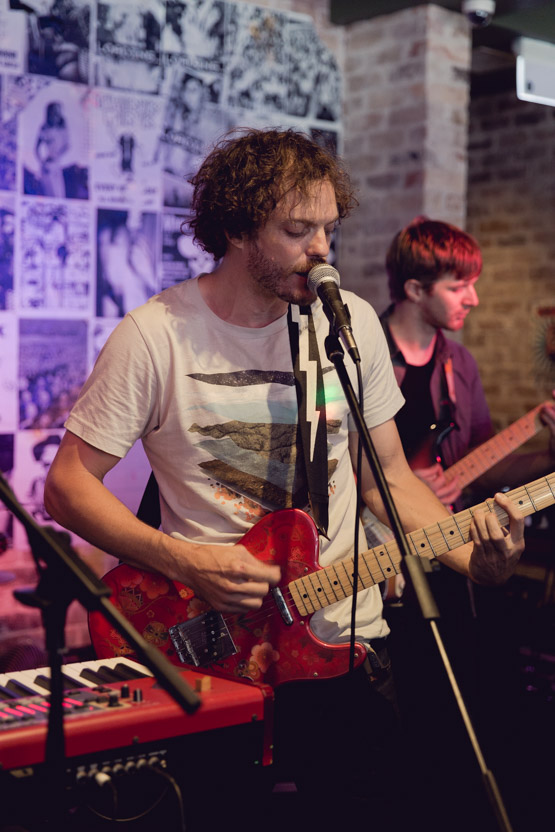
428,249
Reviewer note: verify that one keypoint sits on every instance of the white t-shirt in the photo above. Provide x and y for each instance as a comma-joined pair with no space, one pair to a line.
215,407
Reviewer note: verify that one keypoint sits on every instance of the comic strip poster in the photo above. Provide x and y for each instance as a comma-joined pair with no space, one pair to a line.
313,77
257,67
126,260
58,33
7,241
125,167
8,142
128,43
8,372
52,370
12,39
195,32
181,257
54,142
55,256
193,120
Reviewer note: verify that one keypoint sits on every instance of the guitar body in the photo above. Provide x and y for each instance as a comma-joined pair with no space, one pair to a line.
271,645
430,451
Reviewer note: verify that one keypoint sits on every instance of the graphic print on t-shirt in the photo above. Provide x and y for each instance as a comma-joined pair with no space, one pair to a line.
260,460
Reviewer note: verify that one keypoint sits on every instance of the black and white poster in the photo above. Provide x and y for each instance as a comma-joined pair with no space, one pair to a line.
13,27
257,68
128,45
52,370
313,78
125,134
55,256
127,269
7,242
181,257
99,331
58,33
54,142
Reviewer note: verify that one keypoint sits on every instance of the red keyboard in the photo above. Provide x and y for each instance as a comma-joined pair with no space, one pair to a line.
116,703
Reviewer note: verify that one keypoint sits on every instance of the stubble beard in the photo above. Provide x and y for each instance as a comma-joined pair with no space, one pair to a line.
270,279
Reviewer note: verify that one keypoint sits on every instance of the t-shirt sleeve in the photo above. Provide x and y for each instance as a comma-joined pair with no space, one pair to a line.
117,404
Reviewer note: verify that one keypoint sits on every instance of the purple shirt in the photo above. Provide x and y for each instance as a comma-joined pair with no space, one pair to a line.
470,410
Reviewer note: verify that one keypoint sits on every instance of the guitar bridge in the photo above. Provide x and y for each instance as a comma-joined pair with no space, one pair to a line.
203,640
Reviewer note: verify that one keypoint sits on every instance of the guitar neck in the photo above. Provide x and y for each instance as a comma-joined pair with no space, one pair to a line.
480,460
333,583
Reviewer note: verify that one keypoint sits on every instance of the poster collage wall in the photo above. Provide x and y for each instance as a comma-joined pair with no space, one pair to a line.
105,110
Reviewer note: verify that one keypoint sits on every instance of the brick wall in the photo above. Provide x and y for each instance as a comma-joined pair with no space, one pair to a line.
511,211
405,126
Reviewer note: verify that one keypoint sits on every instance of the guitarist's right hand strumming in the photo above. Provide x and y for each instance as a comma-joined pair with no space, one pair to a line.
229,578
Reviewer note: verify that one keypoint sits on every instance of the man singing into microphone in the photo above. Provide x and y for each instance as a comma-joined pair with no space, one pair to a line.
207,376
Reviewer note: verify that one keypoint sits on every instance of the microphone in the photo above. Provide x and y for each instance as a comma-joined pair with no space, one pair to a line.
323,280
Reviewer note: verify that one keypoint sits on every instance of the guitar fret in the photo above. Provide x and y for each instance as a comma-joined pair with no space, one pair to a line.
338,587
365,577
531,499
453,538
301,597
463,538
347,574
498,447
324,574
379,568
339,584
392,549
311,592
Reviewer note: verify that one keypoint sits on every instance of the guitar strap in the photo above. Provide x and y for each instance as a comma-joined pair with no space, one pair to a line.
149,508
448,401
311,424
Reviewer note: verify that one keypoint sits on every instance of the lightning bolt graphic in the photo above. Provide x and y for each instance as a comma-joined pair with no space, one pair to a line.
308,367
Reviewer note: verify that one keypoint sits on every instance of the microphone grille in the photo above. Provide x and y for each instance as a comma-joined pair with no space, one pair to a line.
322,273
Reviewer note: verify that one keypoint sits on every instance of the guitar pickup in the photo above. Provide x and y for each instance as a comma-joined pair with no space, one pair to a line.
203,640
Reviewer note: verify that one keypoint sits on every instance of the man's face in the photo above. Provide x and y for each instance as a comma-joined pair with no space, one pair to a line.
296,237
449,302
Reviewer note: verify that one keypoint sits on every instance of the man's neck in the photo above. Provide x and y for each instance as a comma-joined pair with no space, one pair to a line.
231,296
415,338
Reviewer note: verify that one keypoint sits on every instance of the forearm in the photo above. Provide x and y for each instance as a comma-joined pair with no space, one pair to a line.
416,504
490,556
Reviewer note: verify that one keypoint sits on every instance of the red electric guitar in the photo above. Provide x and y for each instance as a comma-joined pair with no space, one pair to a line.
275,644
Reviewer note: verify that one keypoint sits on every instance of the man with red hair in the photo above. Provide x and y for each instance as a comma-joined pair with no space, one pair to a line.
433,268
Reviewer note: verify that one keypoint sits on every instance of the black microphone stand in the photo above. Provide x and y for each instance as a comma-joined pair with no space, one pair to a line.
415,572
63,578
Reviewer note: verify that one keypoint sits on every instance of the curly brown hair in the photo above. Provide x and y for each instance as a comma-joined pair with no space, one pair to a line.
244,177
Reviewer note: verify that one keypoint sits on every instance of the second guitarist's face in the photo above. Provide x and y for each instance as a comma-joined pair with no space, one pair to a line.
449,302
